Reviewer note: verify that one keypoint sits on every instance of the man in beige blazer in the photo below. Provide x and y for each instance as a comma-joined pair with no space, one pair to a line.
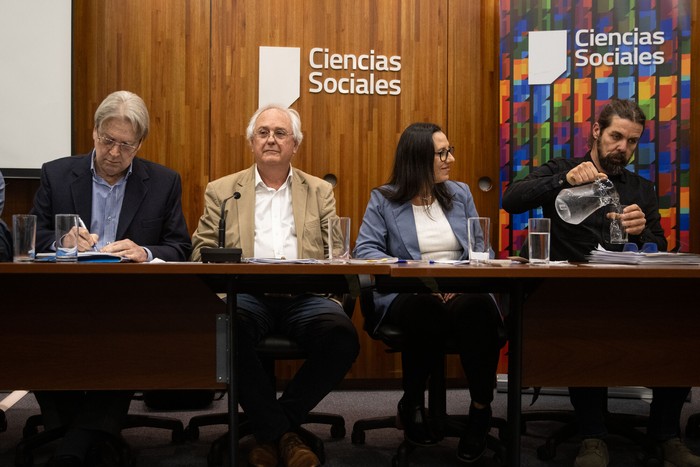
275,211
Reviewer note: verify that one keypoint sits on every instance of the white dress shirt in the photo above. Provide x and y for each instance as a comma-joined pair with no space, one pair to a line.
275,233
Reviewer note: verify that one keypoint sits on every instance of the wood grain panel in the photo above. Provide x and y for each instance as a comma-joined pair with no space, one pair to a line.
160,50
641,331
113,345
473,99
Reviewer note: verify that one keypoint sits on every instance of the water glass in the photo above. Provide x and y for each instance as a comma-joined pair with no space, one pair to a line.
538,240
67,237
618,234
339,239
24,235
479,234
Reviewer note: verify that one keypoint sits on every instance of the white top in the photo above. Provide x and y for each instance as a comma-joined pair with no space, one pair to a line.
275,233
435,237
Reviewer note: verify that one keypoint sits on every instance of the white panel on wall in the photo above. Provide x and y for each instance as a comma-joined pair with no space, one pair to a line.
35,82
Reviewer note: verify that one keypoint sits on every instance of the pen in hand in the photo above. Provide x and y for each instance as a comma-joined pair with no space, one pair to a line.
82,224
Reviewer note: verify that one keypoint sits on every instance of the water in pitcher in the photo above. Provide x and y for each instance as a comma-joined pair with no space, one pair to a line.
577,203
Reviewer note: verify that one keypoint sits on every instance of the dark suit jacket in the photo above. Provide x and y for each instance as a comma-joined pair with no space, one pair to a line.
151,214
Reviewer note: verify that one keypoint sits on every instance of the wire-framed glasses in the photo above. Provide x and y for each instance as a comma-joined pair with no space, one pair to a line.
279,134
124,148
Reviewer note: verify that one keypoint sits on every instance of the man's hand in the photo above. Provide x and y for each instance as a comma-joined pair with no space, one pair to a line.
127,249
585,172
86,240
633,219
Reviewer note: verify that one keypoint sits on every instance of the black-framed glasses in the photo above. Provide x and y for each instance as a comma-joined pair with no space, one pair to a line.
124,148
443,153
279,134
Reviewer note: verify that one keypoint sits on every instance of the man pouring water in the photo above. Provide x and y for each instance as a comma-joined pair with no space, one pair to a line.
612,142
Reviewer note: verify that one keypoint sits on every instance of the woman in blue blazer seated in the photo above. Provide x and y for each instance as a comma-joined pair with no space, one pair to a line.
420,214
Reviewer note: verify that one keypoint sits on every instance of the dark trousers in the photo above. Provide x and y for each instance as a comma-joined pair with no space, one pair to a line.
471,322
104,411
321,327
664,411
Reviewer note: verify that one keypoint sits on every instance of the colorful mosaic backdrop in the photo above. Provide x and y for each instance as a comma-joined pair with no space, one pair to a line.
539,122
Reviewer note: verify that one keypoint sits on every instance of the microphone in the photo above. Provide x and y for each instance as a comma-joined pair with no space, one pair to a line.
222,219
221,254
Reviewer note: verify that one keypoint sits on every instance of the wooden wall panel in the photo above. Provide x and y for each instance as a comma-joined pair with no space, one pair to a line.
350,136
473,99
160,50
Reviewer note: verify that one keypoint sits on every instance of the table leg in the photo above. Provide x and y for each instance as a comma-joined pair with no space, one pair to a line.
232,367
515,328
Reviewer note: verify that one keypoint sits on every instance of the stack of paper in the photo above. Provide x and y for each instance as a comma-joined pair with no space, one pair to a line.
601,255
283,261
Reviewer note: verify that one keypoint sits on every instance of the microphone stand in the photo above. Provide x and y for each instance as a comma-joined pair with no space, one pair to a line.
222,254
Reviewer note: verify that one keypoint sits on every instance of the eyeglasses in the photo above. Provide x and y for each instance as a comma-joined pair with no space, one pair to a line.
124,148
442,153
279,134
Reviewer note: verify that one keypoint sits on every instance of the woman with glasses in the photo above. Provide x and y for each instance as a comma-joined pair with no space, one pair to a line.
420,214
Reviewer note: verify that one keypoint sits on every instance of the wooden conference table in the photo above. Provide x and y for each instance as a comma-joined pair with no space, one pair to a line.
152,326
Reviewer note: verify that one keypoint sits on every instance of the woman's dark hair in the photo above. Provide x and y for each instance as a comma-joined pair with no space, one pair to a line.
625,109
413,173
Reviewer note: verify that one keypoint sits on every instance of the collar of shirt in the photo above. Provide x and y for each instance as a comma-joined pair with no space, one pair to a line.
259,181
94,173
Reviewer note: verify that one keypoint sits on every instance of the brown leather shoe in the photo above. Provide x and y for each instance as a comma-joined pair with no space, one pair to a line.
295,453
263,455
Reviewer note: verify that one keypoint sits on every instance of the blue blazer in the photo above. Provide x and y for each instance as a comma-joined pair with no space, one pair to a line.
389,230
151,214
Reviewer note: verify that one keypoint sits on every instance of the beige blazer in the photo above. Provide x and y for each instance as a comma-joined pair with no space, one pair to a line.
312,203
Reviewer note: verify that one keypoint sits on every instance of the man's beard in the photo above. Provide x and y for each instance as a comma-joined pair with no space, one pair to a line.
612,163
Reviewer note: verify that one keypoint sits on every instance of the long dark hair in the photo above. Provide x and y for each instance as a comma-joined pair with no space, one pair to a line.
413,173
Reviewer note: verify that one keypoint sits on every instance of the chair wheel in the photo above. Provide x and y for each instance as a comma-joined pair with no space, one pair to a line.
338,431
692,429
357,437
546,452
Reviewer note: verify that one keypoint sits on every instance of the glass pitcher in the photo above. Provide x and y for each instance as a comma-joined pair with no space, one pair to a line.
577,203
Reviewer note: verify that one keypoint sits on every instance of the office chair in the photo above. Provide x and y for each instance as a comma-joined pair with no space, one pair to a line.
443,424
33,438
272,348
